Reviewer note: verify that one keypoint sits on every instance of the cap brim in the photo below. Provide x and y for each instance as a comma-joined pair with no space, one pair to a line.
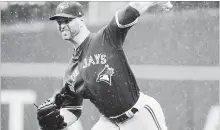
62,15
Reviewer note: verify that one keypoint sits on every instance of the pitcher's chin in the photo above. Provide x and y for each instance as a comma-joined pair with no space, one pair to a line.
67,38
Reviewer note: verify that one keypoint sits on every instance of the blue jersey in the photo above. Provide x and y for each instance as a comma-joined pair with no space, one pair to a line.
99,70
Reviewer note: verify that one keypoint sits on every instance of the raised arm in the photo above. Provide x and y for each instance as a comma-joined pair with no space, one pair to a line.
126,17
142,7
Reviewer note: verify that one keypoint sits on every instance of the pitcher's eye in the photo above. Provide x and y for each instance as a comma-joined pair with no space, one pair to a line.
64,21
67,21
59,22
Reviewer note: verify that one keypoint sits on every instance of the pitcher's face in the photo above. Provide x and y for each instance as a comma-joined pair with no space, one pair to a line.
68,27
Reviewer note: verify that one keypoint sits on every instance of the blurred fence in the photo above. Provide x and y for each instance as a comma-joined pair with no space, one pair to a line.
178,53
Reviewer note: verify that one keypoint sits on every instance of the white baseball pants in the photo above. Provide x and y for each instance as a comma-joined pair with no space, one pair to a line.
149,117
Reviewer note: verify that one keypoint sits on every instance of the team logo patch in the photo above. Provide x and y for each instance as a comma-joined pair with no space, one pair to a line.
105,75
63,6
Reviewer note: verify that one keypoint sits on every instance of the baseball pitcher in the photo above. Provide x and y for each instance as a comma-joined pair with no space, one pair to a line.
99,71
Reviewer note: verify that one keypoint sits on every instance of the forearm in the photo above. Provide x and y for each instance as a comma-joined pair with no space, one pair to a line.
69,117
141,7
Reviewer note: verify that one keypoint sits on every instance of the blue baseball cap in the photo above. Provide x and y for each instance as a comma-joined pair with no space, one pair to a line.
68,10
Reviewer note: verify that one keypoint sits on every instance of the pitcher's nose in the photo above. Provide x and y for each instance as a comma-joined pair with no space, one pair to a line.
63,27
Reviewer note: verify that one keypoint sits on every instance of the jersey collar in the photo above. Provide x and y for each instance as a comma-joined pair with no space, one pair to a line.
77,52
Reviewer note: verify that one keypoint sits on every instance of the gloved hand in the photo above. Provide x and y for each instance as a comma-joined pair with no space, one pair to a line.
48,115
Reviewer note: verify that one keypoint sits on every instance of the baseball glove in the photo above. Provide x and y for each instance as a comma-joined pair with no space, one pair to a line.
48,115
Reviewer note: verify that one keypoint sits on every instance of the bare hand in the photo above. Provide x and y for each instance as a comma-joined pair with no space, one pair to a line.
165,5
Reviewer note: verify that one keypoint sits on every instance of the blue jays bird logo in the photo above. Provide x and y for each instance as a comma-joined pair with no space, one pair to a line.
105,75
63,6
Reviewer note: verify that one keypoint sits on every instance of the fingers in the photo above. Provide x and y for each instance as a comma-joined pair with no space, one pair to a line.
165,5
168,5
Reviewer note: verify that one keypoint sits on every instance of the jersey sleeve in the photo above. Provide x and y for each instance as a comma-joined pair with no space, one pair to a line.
118,28
69,70
72,101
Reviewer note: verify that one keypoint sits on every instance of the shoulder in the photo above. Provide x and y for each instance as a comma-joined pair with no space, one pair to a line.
101,32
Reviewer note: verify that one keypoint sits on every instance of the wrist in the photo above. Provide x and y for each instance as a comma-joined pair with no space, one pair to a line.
142,7
68,116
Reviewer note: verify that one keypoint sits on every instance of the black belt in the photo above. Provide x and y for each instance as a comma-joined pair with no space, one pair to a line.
123,117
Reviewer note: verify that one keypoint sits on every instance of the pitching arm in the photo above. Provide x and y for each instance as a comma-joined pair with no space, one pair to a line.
142,7
127,17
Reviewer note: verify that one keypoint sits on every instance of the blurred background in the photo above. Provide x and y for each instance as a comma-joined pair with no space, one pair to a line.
175,57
